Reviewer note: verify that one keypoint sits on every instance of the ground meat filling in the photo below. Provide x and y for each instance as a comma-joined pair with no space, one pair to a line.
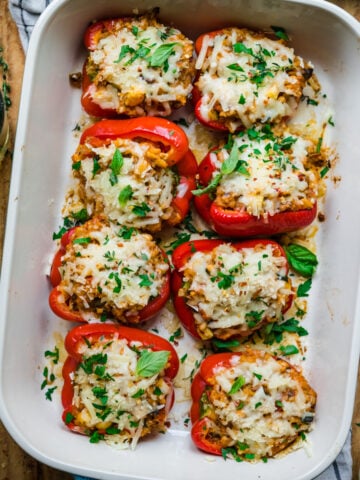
246,77
141,67
258,407
235,292
112,272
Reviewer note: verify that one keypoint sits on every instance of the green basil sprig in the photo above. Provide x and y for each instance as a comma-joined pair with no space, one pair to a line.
150,363
301,259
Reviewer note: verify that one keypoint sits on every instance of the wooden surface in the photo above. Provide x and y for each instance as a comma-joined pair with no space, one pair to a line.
15,464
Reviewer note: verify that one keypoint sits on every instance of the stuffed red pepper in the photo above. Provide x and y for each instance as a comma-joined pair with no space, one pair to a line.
249,405
117,383
261,182
223,289
136,66
246,77
138,172
104,271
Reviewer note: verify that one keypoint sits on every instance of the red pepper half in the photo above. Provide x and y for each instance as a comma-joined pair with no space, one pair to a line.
61,308
89,334
236,223
209,433
184,252
201,423
173,142
129,102
91,36
170,136
196,94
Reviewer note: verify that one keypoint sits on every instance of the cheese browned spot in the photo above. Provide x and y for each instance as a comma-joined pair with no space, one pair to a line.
267,410
246,77
126,180
141,67
270,173
110,398
109,271
234,292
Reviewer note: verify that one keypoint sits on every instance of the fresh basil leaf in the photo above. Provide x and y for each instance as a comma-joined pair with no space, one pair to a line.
150,363
161,54
229,165
301,259
210,187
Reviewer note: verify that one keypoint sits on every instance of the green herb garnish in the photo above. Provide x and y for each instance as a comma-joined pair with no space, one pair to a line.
150,363
301,259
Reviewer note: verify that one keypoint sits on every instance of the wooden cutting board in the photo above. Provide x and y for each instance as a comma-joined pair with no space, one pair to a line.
15,464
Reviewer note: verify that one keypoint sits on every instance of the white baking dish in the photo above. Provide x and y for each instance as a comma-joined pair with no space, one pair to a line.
49,111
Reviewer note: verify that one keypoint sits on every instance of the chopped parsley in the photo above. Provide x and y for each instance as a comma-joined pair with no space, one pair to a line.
125,195
145,280
236,386
141,210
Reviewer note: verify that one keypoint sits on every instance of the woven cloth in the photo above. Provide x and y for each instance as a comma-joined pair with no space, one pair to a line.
25,14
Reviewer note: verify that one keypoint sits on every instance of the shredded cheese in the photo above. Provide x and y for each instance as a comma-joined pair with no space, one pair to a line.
104,273
272,174
260,404
113,398
246,78
140,183
141,67
233,290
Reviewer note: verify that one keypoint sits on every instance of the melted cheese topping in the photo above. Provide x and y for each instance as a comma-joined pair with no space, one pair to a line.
269,174
235,289
111,397
260,404
104,273
248,78
139,65
138,194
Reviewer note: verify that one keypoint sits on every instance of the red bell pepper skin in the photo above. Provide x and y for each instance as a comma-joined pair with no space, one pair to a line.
61,308
158,130
212,124
187,169
173,140
90,41
234,223
91,107
91,333
201,424
182,254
